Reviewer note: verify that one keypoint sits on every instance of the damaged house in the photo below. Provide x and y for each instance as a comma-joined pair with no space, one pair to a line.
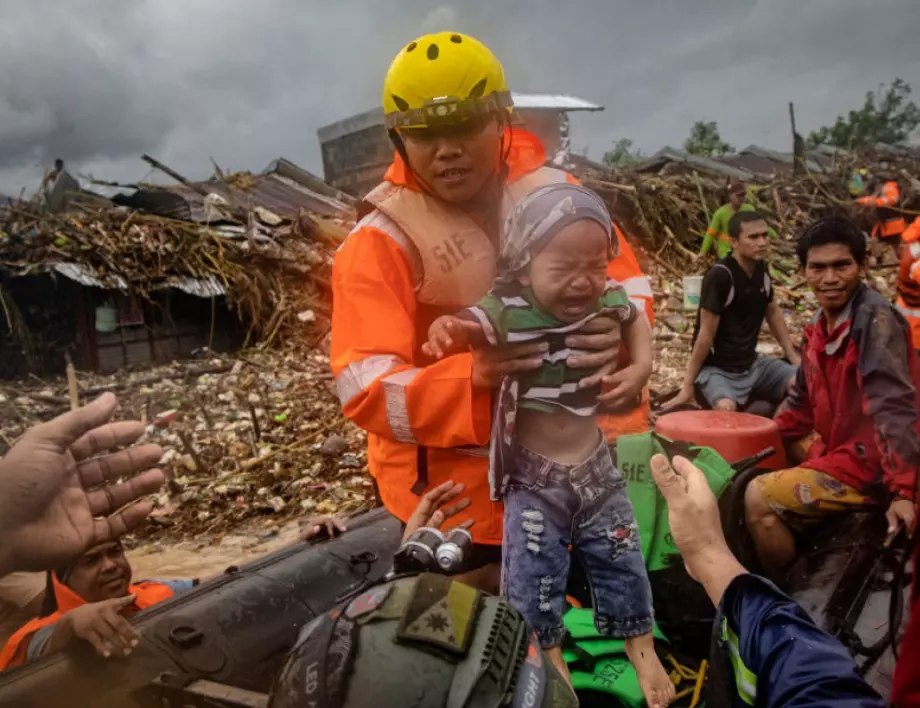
155,274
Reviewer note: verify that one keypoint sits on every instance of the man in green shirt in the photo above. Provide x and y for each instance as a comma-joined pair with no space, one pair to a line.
718,229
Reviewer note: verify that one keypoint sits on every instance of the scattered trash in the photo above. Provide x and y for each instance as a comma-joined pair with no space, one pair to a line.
334,446
220,476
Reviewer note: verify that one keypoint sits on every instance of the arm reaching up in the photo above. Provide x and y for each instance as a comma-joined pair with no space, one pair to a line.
775,653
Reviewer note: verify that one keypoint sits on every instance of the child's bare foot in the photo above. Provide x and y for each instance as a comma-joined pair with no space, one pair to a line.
654,681
554,654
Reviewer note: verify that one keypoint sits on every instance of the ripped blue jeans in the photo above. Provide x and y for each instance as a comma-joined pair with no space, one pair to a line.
551,506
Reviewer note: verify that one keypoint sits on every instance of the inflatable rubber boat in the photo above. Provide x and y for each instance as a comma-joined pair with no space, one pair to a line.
234,629
231,634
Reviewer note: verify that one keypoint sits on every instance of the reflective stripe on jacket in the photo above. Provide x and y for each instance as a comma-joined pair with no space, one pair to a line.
779,658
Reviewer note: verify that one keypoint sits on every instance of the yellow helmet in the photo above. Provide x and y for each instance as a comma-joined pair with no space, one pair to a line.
443,78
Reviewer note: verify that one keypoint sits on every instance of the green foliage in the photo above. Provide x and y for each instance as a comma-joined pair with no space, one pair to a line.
705,140
621,155
889,117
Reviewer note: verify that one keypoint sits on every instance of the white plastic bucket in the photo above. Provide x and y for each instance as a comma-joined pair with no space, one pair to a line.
693,286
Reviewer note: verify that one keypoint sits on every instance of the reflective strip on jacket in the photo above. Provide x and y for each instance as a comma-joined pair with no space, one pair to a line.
422,416
779,658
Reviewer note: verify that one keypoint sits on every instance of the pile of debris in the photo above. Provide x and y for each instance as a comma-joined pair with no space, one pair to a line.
260,434
254,435
674,211
666,217
274,271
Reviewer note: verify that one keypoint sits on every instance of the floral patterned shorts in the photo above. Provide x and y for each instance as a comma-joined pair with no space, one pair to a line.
801,496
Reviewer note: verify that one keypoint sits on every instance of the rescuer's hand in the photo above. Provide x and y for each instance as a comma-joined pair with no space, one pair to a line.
492,364
437,506
100,624
62,476
598,345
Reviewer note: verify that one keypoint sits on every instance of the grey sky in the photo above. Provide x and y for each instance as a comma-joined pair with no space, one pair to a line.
98,82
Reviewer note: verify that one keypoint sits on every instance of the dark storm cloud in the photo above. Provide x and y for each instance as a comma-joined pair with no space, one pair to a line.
100,82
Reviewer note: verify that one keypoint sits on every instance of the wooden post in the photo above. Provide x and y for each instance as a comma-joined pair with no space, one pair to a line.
72,383
798,145
175,175
792,122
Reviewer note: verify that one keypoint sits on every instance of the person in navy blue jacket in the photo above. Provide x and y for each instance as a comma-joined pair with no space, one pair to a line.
776,654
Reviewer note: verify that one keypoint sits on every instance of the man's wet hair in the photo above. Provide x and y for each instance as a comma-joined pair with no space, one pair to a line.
739,219
832,229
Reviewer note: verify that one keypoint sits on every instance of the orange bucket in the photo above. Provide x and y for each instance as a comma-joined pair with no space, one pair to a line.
733,435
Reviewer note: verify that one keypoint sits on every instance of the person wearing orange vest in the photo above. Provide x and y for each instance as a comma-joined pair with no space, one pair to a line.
426,245
890,222
88,601
908,302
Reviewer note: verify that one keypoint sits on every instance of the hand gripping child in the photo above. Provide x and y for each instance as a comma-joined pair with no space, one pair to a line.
548,459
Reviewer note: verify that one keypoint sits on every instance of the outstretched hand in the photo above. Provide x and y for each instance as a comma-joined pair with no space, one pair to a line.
437,506
62,476
102,625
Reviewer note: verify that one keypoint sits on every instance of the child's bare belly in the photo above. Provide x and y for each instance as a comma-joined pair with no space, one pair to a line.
560,436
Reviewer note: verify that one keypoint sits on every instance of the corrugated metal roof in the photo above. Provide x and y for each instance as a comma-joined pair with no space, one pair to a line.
522,101
83,275
705,164
284,189
206,288
759,166
553,102
784,158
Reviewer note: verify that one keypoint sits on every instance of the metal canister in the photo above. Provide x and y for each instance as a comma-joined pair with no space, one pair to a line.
456,547
418,552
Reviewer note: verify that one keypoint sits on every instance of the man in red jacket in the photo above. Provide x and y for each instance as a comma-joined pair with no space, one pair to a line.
854,404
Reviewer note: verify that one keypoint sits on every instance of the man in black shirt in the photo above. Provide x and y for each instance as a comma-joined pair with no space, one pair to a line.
737,296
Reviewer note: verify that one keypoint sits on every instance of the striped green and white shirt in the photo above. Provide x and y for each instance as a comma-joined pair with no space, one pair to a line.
518,318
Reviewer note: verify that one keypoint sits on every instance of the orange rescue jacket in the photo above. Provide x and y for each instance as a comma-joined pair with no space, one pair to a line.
890,221
410,260
146,593
908,302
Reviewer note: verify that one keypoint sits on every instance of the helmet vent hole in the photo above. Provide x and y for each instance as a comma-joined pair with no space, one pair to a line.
479,89
401,103
433,51
412,46
456,38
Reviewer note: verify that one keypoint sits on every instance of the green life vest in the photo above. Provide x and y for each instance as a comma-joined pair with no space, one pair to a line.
633,453
599,663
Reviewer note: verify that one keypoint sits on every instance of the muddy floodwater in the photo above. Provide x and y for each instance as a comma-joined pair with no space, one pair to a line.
204,559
